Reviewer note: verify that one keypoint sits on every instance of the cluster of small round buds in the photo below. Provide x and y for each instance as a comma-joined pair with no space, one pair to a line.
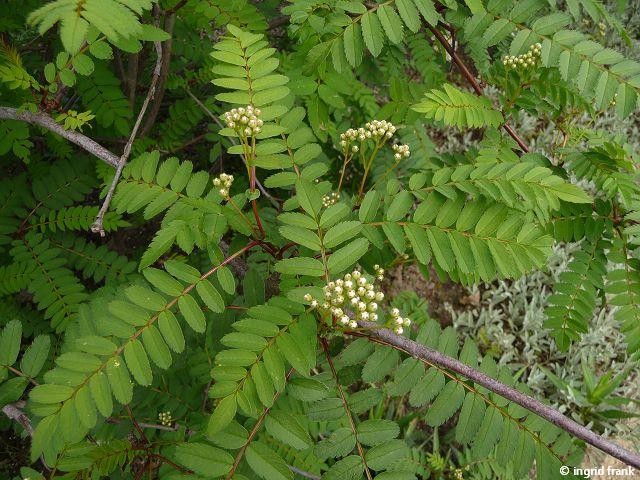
330,199
401,151
223,181
349,136
350,298
377,129
165,418
602,29
525,60
244,120
399,322
379,272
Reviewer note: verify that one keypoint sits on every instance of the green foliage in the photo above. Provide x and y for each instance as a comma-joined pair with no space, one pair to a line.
15,376
222,328
457,108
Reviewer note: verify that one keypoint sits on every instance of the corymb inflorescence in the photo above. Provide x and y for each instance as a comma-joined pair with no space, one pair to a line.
353,298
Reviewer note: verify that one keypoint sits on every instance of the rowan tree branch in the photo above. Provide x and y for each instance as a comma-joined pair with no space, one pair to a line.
97,226
15,413
45,121
414,349
164,73
473,81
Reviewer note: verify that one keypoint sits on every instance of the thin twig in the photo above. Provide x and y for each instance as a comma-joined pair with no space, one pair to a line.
325,347
43,120
154,426
176,7
550,414
302,473
472,80
97,226
21,374
143,437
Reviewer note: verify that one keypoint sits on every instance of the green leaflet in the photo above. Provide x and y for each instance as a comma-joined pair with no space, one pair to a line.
287,429
10,343
192,313
222,415
203,459
346,256
210,296
374,432
138,362
385,455
266,463
372,33
446,404
454,107
300,266
341,232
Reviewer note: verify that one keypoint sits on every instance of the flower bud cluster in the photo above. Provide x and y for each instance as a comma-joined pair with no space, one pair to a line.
375,129
401,151
350,299
380,129
165,418
397,322
330,199
353,298
244,120
525,60
223,181
379,272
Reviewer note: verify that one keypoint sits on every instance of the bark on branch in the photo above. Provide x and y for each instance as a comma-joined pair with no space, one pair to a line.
15,413
472,80
45,121
434,357
122,161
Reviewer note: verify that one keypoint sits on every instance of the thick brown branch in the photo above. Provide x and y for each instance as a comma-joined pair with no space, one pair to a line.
45,121
552,415
472,80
